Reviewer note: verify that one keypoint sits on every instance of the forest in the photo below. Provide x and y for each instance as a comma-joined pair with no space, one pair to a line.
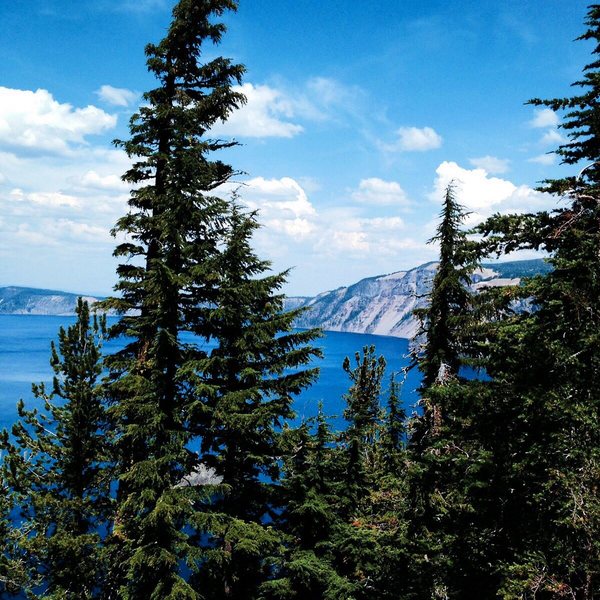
173,470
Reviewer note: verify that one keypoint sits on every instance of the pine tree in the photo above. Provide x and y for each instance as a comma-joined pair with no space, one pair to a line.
353,543
211,362
13,564
363,412
249,381
443,321
446,460
309,518
57,469
393,434
546,364
174,224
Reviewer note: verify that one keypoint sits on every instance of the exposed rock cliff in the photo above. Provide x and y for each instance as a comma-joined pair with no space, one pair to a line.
379,305
383,305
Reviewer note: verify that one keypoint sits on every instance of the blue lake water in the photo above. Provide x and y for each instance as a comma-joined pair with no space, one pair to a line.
25,354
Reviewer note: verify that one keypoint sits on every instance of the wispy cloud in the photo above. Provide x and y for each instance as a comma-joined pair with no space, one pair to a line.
544,159
491,164
414,139
283,111
116,96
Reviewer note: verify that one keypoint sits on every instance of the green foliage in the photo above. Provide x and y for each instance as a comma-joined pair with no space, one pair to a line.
545,365
57,465
443,322
248,383
175,224
190,269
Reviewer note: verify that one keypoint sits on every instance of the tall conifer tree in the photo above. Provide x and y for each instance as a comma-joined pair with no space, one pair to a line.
220,393
441,448
547,361
58,468
174,224
246,384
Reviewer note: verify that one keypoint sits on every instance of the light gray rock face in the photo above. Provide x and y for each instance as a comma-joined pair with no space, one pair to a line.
384,305
378,305
30,301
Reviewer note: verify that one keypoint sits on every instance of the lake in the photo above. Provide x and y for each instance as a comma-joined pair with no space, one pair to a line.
25,354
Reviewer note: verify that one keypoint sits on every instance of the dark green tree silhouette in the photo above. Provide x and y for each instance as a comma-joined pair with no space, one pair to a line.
545,362
247,384
58,468
443,321
173,230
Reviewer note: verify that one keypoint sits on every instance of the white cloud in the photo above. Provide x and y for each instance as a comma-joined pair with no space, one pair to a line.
380,224
552,137
284,197
414,139
77,231
349,240
45,199
110,182
25,234
484,195
544,117
116,96
375,191
265,114
36,121
491,164
295,228
544,159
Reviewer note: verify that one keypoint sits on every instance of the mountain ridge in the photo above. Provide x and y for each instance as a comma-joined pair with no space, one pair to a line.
379,305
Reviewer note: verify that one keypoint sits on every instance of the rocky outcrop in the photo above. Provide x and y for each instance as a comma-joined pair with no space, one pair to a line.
384,305
378,305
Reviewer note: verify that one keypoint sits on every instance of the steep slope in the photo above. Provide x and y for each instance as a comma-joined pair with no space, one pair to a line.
383,305
379,305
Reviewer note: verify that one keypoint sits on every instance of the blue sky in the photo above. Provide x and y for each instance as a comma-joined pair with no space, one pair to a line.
358,115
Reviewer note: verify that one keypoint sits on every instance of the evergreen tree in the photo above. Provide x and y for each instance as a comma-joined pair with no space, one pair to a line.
174,224
393,434
57,469
13,565
545,365
247,385
309,517
363,412
443,321
190,270
446,459
354,541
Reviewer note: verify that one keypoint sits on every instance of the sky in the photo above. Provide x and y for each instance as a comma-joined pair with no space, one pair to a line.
358,115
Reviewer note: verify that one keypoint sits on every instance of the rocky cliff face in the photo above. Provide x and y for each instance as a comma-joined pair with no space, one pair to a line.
378,305
384,305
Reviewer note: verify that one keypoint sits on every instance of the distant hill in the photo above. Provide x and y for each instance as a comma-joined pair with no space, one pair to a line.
380,305
31,301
